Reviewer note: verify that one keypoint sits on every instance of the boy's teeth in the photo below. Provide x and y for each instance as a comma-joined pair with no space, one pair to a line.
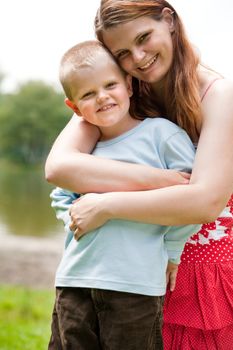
106,107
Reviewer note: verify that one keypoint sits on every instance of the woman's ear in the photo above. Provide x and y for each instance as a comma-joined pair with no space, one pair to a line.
129,84
168,18
73,106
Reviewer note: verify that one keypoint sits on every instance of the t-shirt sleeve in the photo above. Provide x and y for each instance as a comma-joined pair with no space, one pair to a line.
61,201
175,239
178,151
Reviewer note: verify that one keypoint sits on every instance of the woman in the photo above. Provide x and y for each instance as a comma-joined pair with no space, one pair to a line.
148,40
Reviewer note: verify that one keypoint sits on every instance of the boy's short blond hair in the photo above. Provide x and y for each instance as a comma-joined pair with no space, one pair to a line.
78,56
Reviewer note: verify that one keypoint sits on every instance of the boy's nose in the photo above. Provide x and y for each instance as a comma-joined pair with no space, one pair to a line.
102,96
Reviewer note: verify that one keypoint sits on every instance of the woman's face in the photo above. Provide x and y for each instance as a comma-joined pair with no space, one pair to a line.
143,47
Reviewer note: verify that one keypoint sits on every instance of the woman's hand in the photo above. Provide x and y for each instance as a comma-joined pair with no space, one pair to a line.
171,274
87,213
174,177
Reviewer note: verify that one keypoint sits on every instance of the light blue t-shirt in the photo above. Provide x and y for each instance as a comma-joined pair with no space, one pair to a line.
125,255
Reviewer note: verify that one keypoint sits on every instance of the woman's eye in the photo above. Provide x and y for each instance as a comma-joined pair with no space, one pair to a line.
143,38
121,55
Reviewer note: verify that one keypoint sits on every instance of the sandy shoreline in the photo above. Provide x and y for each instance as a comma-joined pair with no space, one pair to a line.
29,261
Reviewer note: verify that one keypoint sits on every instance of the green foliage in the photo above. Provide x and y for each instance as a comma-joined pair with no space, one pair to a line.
25,318
2,76
31,118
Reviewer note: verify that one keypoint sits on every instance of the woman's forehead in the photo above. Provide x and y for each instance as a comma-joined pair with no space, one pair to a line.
124,34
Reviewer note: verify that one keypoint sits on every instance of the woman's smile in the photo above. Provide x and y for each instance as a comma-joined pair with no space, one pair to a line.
149,63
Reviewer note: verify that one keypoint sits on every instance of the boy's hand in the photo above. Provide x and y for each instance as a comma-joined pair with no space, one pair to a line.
171,274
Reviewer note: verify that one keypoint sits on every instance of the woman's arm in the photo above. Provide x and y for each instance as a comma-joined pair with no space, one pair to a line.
201,201
69,166
60,164
211,182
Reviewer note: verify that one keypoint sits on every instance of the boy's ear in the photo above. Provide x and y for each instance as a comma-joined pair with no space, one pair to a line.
73,106
129,84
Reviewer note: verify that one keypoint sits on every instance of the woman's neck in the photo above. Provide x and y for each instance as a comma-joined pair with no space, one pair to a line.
158,89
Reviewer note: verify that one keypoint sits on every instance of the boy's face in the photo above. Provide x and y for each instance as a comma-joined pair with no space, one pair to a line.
101,92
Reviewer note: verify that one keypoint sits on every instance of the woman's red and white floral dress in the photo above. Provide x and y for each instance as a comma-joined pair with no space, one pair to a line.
198,315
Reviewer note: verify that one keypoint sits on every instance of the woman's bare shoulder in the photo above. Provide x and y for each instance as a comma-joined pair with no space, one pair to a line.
217,106
219,91
213,84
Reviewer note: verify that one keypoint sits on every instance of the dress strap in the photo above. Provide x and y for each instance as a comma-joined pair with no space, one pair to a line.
208,87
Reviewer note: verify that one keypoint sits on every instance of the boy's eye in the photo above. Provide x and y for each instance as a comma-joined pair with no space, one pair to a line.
88,94
111,84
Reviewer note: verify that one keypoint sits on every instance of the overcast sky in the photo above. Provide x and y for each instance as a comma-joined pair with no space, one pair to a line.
34,34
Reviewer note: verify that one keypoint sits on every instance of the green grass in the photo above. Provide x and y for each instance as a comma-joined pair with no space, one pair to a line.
25,318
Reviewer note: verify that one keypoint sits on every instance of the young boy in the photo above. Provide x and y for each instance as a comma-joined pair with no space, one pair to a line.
110,283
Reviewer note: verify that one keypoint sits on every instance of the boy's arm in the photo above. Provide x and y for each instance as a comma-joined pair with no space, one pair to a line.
61,201
178,153
171,274
175,239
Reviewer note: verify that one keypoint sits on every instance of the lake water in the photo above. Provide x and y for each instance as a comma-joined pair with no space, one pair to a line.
25,203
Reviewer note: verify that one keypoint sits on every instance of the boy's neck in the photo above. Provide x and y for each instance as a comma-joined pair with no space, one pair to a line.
109,133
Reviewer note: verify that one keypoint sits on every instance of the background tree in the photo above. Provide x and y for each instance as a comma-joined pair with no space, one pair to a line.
2,76
30,120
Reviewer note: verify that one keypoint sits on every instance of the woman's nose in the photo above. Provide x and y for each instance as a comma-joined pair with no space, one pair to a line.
138,55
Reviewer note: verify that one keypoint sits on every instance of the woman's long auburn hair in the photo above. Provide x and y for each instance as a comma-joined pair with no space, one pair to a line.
183,104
